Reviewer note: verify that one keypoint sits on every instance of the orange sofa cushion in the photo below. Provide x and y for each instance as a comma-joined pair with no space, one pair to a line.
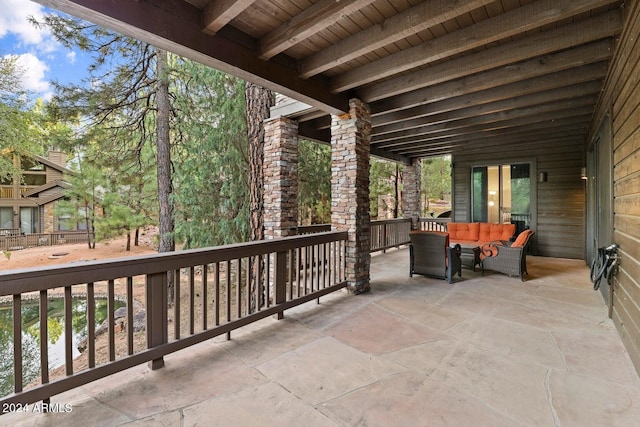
521,239
489,232
464,231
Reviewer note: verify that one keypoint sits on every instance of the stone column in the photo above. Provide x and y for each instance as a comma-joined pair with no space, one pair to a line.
411,187
280,177
350,139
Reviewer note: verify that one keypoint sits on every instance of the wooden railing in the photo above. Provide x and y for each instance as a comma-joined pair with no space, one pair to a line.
385,234
434,224
24,241
389,233
216,292
6,191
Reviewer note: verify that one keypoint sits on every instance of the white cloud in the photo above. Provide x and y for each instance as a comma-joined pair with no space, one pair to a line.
71,56
33,74
13,20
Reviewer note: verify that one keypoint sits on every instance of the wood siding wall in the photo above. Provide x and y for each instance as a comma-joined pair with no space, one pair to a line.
53,174
621,99
558,205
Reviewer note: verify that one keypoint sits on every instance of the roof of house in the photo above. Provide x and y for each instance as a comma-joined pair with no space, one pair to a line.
54,165
49,185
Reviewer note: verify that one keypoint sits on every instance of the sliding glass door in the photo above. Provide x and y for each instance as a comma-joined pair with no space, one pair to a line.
502,194
29,220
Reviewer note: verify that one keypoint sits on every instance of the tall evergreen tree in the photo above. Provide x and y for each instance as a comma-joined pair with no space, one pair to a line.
314,182
126,96
211,167
18,135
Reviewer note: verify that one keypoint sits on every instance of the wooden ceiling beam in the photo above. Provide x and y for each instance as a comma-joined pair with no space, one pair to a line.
536,45
514,104
591,73
522,126
547,88
574,136
577,123
311,20
177,27
510,118
568,133
516,21
219,13
536,67
421,17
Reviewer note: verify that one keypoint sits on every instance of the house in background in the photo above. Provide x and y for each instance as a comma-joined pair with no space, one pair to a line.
28,201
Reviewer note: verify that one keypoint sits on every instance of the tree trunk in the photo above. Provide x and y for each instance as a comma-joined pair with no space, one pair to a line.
128,247
166,223
258,105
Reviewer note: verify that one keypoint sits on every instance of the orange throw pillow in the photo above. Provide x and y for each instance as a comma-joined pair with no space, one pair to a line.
521,239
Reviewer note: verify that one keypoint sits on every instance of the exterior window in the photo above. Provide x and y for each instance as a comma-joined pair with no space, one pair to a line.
31,165
29,220
6,217
35,179
502,194
65,223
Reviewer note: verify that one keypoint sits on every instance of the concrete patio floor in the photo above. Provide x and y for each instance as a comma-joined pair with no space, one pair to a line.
483,351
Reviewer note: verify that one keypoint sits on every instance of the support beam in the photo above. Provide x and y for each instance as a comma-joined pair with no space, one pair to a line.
574,125
550,119
528,17
487,120
219,13
557,39
536,67
454,117
512,142
313,19
419,18
586,78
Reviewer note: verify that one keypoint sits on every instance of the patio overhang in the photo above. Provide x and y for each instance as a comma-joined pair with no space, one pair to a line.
439,77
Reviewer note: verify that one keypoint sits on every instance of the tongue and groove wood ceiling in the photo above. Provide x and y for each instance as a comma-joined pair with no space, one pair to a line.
440,76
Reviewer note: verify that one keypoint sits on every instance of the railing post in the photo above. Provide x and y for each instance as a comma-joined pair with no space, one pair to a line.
156,302
280,277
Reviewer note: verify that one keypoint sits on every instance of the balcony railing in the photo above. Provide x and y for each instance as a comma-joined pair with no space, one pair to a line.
216,291
6,191
389,233
385,234
434,224
13,241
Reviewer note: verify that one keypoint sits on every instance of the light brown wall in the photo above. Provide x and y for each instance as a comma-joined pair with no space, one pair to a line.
621,99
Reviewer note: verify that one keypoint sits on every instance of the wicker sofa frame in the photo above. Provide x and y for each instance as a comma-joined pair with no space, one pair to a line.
431,255
506,257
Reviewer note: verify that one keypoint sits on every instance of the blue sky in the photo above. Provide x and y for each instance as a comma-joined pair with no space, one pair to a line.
41,57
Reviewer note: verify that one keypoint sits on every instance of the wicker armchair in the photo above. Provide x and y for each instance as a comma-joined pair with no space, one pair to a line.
507,257
431,255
